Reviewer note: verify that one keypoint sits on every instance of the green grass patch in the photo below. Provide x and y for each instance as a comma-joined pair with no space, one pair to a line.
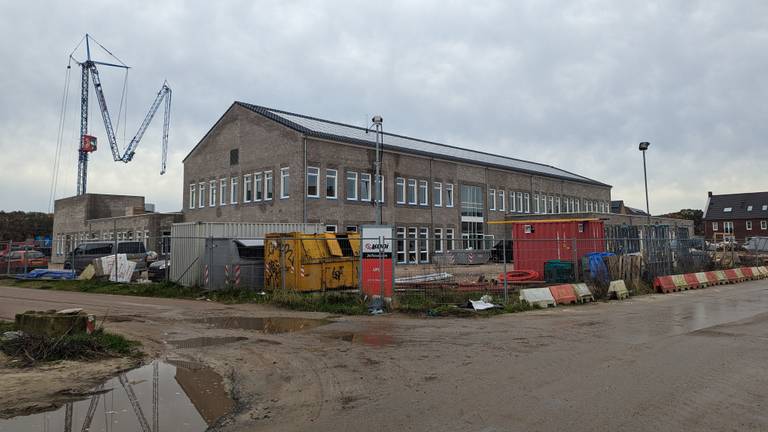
161,289
30,349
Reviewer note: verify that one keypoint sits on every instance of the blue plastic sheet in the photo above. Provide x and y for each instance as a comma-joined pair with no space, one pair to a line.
48,274
597,268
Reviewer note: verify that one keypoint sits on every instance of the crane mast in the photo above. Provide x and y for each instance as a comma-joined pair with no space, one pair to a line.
87,142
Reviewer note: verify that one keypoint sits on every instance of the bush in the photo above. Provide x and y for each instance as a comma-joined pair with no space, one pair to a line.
30,349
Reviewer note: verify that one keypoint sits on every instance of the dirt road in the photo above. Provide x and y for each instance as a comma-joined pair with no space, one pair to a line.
690,361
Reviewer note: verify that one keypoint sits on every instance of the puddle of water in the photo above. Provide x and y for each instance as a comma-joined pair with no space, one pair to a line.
190,397
265,325
368,339
200,342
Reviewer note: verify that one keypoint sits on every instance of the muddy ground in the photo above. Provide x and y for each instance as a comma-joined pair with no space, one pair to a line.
688,361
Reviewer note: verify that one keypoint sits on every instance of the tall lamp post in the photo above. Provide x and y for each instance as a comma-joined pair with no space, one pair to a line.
643,147
377,125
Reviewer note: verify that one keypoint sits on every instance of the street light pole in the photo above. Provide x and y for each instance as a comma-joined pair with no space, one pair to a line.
377,124
643,147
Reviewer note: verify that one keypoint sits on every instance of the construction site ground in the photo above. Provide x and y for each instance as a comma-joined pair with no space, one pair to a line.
687,361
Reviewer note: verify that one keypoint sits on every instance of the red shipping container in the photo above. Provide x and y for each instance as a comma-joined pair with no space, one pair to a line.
534,242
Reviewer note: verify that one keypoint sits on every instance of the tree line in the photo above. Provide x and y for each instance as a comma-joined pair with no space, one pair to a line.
19,225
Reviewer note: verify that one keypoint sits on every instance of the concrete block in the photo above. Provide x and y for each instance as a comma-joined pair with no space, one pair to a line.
538,296
618,290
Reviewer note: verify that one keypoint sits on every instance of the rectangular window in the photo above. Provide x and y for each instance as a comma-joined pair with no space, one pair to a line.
449,238
491,199
512,202
258,186
400,245
449,195
763,225
749,225
331,184
558,203
223,191
424,245
400,190
527,202
351,185
330,228
749,208
201,192
365,187
233,190
536,208
313,180
247,188
285,185
728,227
502,200
544,204
765,207
412,191
234,157
520,207
423,192
351,228
578,205
269,187
715,226
437,194
192,195
412,245
438,240
212,191
551,204
380,196
472,204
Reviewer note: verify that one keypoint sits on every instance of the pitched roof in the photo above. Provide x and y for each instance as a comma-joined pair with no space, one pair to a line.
739,205
334,131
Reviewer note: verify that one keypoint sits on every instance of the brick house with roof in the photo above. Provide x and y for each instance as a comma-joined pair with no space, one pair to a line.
737,216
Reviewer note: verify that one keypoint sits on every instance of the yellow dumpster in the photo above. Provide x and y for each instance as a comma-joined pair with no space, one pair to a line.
311,262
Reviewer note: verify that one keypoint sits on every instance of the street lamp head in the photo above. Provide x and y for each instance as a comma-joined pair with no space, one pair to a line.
377,119
644,146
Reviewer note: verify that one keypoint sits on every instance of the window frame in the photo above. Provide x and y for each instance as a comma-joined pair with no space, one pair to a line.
491,199
401,250
512,202
269,185
335,177
449,195
715,226
438,240
764,225
502,204
423,245
285,183
258,186
201,195
748,225
437,194
355,179
412,185
527,202
192,196
450,236
520,207
400,191
212,196
363,189
223,191
423,193
247,188
234,189
316,176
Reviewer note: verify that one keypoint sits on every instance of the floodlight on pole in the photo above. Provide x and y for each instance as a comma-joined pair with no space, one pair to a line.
643,147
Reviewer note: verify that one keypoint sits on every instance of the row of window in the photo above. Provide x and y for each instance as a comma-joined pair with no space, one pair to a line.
749,208
416,192
520,202
413,243
728,226
258,186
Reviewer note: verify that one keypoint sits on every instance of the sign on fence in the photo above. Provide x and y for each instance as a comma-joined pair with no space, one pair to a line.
376,254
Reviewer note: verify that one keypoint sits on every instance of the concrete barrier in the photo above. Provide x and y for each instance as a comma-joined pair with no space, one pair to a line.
747,272
538,296
702,278
618,289
740,275
692,281
680,282
732,276
763,271
664,284
583,292
712,278
722,278
563,294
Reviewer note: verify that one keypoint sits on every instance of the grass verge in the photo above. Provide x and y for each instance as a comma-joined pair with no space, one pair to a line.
30,349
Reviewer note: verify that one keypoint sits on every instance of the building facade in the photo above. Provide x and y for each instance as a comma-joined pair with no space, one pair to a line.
736,216
263,165
92,217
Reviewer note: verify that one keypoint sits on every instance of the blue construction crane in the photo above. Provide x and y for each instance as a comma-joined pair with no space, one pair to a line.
87,142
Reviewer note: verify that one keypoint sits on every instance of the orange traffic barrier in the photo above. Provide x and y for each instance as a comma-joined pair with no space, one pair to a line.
712,278
692,280
680,283
702,278
563,294
664,284
748,273
732,276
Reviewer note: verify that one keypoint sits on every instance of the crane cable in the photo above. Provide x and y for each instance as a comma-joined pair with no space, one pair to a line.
59,137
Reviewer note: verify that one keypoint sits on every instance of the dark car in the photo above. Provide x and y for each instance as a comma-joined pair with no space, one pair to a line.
157,270
87,252
21,261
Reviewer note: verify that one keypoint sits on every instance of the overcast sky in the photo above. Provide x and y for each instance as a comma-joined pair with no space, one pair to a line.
572,84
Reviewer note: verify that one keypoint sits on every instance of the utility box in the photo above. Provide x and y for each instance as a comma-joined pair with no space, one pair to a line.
311,262
534,242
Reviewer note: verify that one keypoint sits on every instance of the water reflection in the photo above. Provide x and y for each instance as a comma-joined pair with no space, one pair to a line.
269,325
159,397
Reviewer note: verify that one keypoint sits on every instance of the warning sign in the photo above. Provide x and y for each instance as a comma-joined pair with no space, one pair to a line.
377,260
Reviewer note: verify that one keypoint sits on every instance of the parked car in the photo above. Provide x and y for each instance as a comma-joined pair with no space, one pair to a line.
87,252
156,270
23,260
